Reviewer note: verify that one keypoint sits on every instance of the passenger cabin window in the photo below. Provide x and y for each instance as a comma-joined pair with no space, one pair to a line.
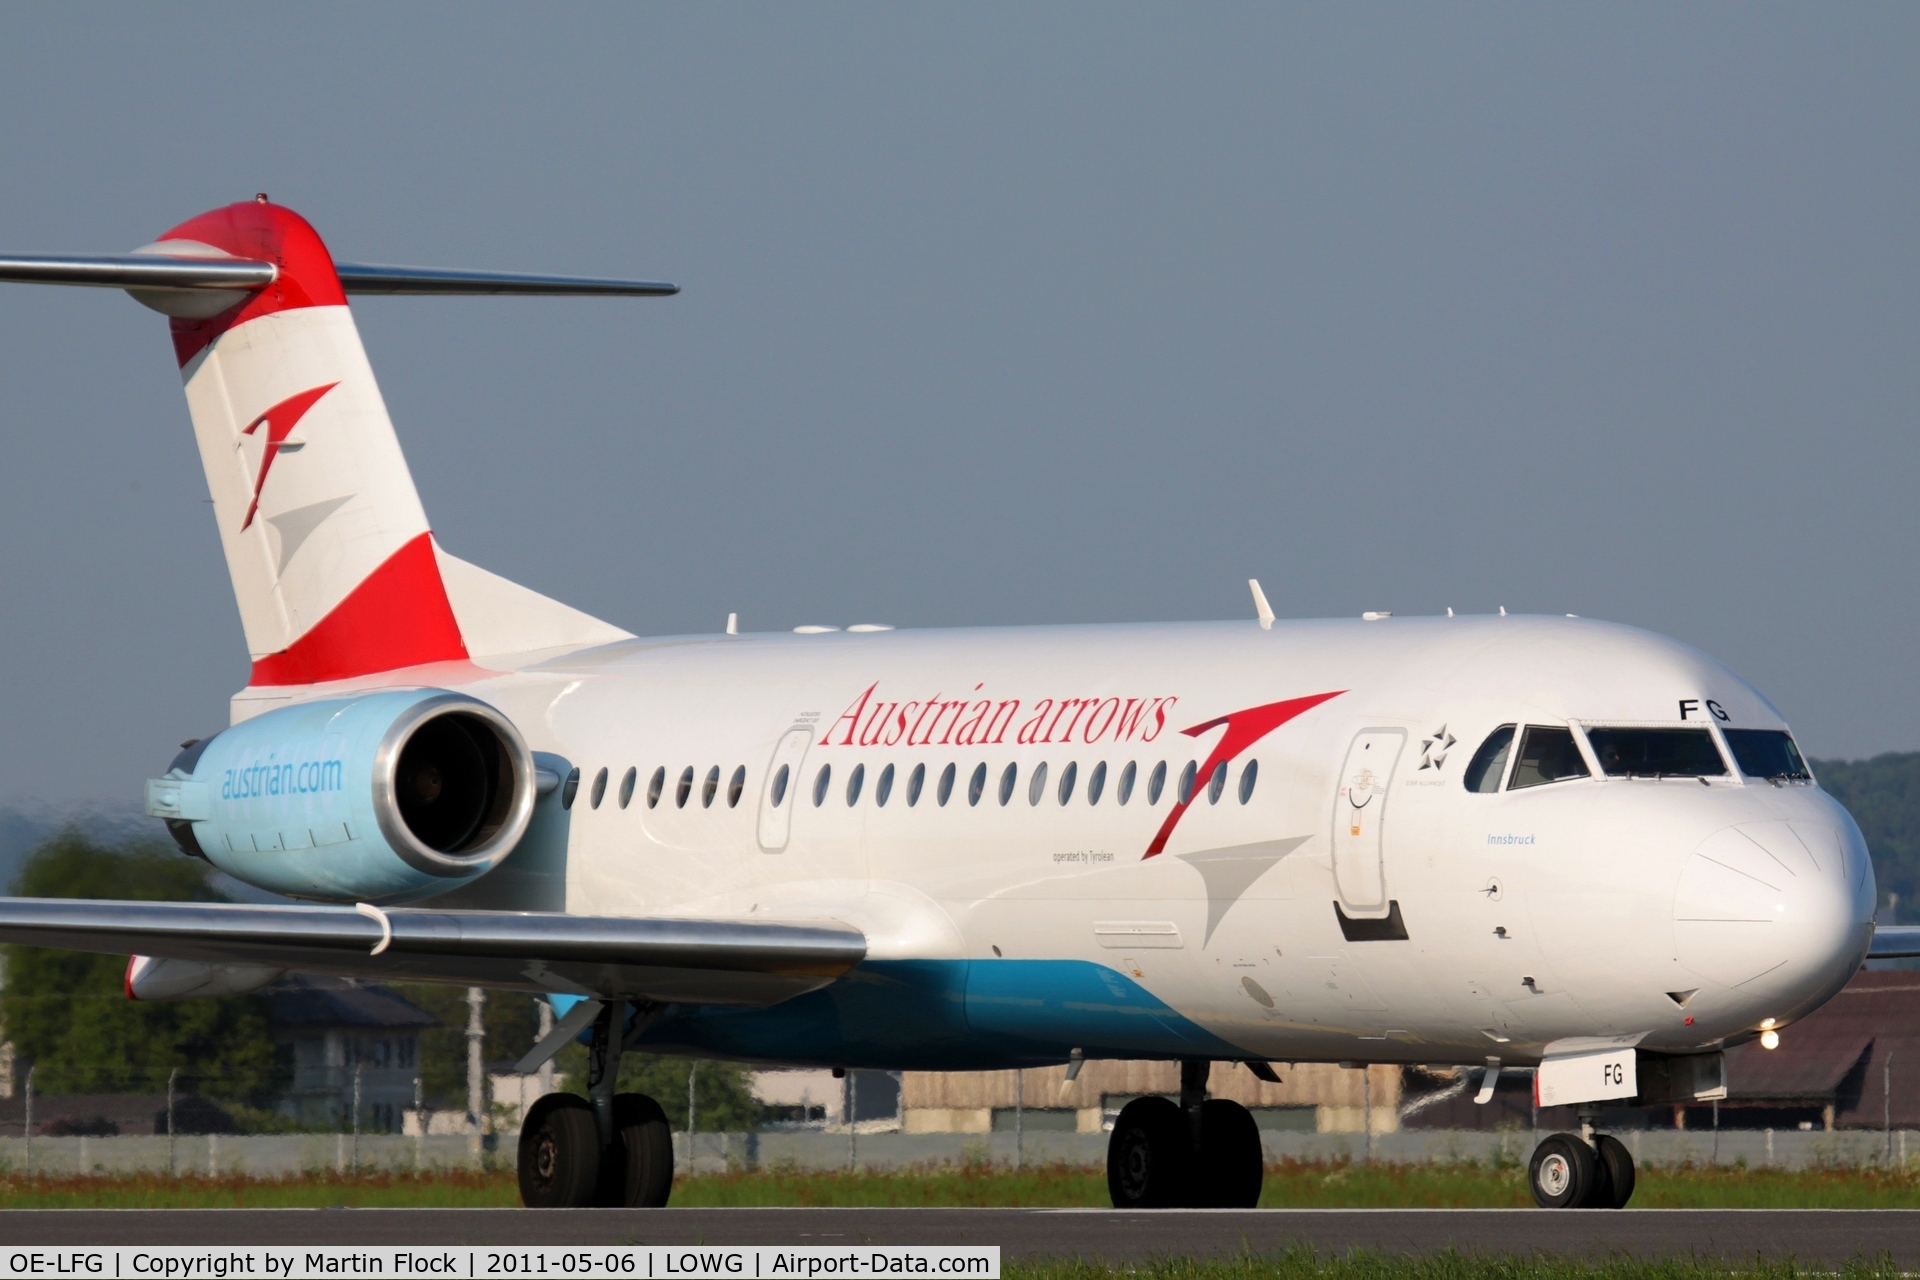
656,784
1096,782
710,788
883,787
855,781
1037,785
946,784
1067,777
1657,753
977,784
1767,753
570,788
1217,783
1186,782
736,785
1248,776
599,788
626,785
1489,763
820,781
1127,775
780,786
685,789
1008,776
1547,755
1156,782
915,781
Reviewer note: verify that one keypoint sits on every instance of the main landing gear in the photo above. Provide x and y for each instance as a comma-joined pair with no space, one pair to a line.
1582,1170
1201,1153
612,1151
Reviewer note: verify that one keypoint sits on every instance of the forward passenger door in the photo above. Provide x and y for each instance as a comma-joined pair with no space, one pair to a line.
1359,819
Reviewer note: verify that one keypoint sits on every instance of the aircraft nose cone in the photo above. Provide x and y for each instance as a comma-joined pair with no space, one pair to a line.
1777,909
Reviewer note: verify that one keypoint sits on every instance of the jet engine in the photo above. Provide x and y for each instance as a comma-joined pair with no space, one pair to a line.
388,796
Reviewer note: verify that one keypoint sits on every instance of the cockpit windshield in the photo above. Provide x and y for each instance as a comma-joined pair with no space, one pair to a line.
1657,753
1767,753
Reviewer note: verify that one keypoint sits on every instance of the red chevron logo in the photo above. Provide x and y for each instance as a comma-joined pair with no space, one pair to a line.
280,421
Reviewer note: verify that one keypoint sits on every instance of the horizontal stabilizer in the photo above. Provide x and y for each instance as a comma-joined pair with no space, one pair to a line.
1895,942
163,271
362,278
727,962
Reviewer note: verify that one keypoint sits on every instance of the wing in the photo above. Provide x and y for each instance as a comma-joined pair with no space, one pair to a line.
1895,942
694,961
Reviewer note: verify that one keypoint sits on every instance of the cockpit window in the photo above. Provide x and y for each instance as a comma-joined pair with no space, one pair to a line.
1547,755
1490,761
1766,753
1657,753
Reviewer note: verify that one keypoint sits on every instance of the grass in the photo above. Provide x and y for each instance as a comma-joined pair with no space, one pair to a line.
1294,1184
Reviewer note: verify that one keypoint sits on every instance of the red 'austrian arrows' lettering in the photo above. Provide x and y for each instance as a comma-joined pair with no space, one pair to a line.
973,719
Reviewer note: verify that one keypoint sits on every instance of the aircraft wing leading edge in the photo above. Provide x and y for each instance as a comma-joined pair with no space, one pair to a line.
1895,942
667,960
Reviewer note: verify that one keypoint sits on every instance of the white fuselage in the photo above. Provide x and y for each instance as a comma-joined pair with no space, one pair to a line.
1683,911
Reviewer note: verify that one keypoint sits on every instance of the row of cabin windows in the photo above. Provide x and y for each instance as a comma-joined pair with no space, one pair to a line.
657,785
1037,789
1064,788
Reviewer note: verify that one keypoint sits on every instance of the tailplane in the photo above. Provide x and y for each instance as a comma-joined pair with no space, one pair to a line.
334,567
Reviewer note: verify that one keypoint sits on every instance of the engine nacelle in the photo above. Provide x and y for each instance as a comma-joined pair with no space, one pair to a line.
376,797
150,978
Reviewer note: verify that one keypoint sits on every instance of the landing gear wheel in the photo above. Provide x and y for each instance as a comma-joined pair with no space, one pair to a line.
1617,1164
1148,1156
636,1170
559,1153
1562,1172
1232,1164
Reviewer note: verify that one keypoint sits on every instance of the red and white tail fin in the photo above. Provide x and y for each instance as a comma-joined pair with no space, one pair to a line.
332,561
334,567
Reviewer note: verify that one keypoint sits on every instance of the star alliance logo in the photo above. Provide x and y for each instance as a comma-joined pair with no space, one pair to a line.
1433,750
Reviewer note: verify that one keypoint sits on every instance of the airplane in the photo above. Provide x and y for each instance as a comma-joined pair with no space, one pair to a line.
990,848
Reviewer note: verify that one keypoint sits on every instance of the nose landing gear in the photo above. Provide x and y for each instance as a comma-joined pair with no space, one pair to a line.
1202,1153
1581,1171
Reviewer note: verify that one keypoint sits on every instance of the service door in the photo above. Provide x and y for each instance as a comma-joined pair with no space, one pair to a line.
780,789
1359,819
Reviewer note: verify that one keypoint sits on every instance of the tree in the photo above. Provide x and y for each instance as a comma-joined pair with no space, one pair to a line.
722,1098
1883,794
67,1011
512,1021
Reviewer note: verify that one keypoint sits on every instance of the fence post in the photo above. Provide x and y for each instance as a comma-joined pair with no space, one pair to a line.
31,1068
357,1066
1886,1087
1366,1117
1019,1118
546,1026
853,1120
173,1170
476,1066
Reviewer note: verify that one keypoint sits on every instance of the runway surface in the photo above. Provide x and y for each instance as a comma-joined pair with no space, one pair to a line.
1824,1235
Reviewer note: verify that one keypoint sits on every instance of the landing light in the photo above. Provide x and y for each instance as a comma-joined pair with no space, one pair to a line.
1769,1039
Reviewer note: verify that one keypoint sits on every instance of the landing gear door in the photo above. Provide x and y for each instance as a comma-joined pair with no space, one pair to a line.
781,789
1359,819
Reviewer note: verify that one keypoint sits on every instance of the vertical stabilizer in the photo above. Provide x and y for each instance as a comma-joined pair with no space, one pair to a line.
333,565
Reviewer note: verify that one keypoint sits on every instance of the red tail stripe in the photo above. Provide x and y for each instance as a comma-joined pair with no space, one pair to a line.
262,232
398,617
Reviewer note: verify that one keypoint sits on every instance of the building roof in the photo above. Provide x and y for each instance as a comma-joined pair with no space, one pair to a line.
307,1003
1843,1054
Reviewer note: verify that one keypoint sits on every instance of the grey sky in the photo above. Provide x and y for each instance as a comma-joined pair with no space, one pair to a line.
1008,314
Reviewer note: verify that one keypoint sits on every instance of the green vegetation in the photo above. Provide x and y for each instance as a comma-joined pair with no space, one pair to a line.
1292,1184
1883,795
67,1011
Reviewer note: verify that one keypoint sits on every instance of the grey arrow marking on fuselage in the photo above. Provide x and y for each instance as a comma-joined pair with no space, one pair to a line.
1231,871
297,525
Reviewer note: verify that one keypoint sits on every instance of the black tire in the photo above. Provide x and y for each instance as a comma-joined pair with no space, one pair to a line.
1617,1163
1562,1172
1232,1163
559,1153
637,1172
1149,1156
